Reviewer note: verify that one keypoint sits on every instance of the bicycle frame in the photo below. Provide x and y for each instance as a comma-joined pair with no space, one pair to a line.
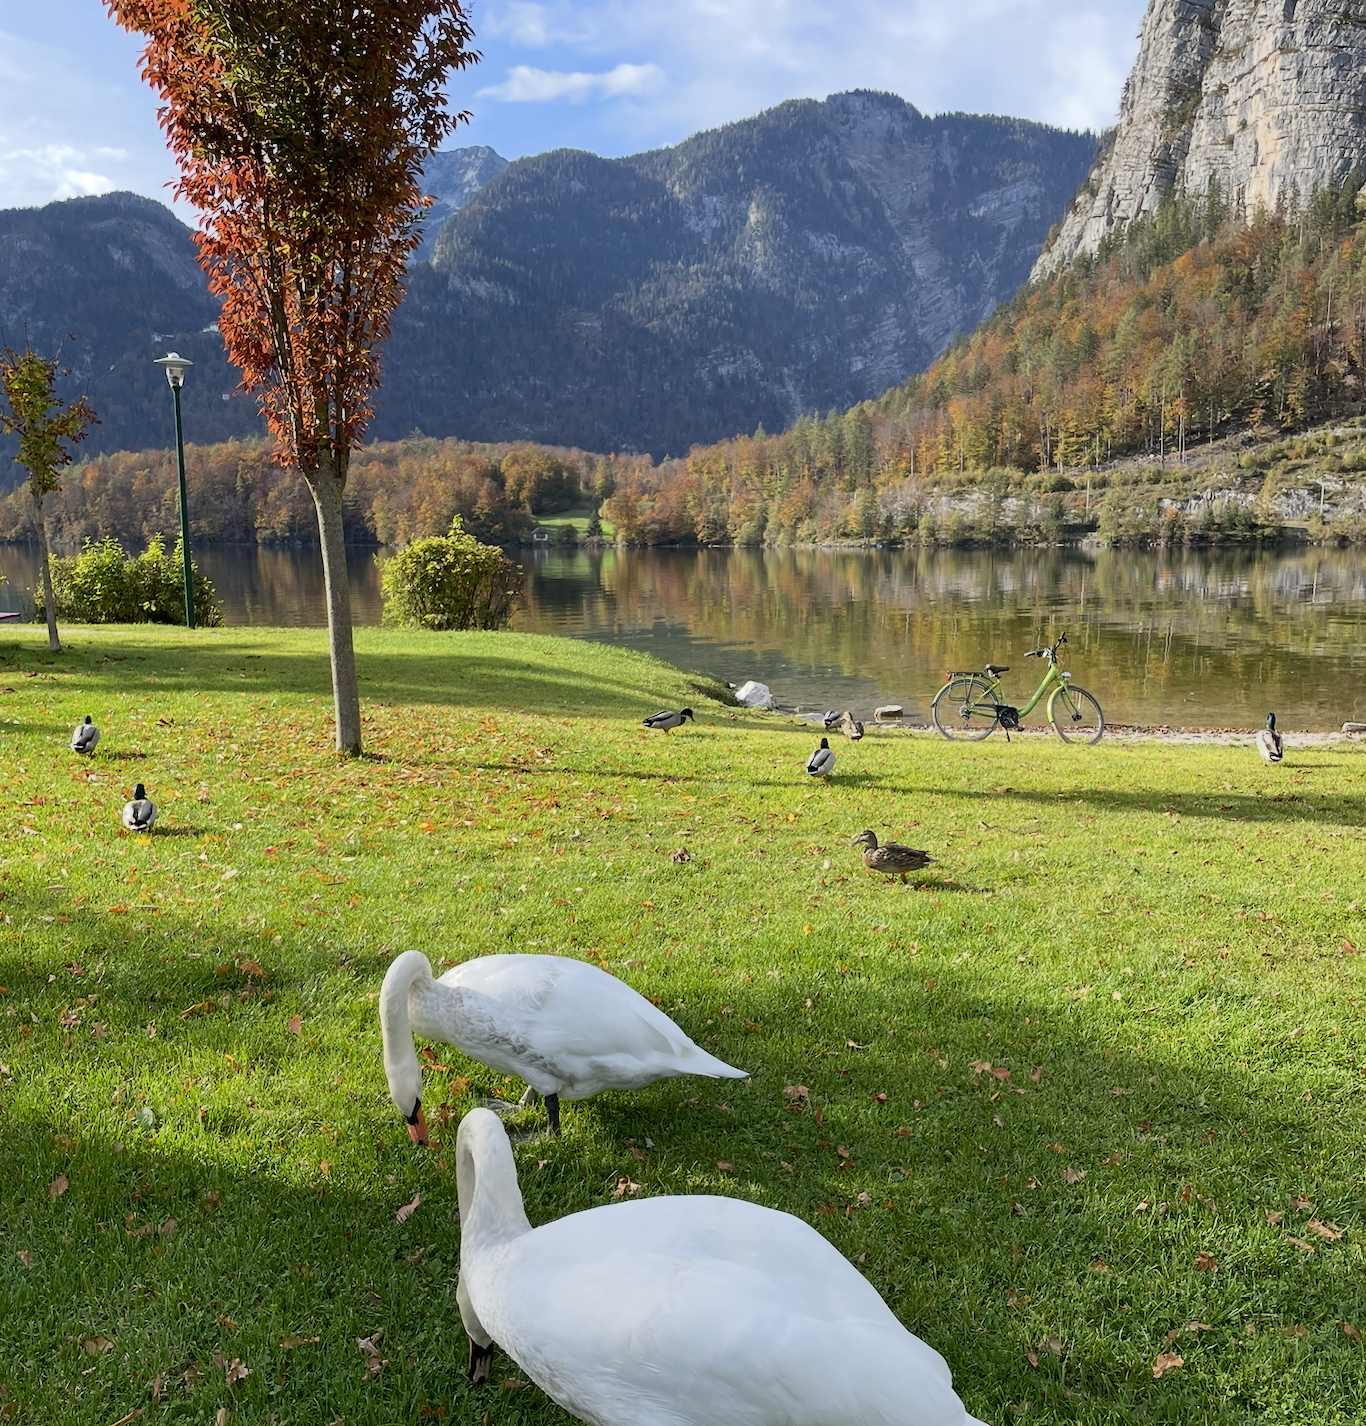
1051,679
983,708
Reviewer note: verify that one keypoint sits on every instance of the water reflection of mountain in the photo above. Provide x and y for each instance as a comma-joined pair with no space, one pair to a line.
1188,638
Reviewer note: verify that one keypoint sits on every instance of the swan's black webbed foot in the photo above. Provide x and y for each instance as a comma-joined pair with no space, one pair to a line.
481,1360
552,1108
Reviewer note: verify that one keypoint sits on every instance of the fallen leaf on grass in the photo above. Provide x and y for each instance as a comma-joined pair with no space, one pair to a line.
291,1342
221,1417
1205,1263
237,1372
294,1025
724,1167
1167,1362
131,1416
1100,1266
408,1209
58,1186
1301,1244
95,1345
1329,1232
1016,1299
1352,1332
25,1257
1073,1175
625,1186
1301,1205
1274,1216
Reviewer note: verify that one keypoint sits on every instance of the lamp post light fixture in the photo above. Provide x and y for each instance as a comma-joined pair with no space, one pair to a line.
175,366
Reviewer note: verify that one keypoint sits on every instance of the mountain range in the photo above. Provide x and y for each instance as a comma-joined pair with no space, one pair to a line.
803,259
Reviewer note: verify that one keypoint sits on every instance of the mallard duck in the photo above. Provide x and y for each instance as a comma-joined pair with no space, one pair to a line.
892,859
851,728
821,763
681,1310
84,736
666,720
1269,742
565,1027
141,812
831,721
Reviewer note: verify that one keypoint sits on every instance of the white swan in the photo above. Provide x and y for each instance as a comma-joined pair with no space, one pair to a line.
84,736
141,812
567,1028
682,1311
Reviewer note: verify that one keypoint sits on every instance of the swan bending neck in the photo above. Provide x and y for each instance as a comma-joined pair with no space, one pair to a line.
491,1210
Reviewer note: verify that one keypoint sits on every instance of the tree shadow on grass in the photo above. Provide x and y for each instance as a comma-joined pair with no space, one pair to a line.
1310,804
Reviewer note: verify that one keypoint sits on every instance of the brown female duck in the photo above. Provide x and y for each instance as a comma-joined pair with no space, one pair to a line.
892,859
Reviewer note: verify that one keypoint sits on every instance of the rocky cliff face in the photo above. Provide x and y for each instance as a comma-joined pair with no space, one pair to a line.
807,258
452,177
1265,97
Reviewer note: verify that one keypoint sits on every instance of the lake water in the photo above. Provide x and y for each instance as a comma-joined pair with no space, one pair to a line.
1202,639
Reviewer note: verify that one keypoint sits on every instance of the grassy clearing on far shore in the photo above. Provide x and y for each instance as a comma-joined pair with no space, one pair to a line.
1118,1029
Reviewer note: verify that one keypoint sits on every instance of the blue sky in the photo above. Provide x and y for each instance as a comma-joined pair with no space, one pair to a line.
614,76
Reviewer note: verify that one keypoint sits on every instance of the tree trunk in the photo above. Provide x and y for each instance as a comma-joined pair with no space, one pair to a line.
327,494
49,604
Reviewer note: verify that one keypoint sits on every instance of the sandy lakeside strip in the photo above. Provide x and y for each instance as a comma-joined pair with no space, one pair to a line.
1121,732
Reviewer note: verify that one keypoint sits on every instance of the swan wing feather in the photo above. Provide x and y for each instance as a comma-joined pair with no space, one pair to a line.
706,1310
565,1027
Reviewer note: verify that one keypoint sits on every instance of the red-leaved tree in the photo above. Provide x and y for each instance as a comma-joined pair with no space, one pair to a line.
300,128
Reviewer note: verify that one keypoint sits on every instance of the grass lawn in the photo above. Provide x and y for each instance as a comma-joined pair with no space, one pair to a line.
579,520
1088,1097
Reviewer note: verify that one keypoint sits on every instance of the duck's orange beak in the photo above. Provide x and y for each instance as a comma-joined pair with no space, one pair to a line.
417,1131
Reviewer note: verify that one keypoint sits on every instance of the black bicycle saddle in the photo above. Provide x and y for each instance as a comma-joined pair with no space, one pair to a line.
995,670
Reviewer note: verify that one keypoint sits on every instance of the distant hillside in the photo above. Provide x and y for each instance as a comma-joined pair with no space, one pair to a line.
452,178
804,259
118,273
1193,331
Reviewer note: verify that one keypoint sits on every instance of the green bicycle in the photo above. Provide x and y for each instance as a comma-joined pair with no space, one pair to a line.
970,707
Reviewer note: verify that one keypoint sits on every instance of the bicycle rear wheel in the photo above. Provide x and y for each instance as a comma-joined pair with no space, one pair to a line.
1075,715
965,709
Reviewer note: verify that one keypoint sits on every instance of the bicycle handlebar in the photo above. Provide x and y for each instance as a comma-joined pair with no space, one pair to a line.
1050,654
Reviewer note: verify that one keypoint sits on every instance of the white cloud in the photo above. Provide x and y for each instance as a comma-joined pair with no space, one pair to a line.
525,85
1058,61
523,24
40,175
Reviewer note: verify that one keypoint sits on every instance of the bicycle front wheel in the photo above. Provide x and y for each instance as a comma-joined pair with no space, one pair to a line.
965,709
1075,715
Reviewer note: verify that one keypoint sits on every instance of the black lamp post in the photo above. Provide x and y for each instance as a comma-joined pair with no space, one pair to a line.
175,367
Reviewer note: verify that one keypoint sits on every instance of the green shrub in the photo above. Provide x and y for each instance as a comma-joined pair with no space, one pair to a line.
102,585
450,582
